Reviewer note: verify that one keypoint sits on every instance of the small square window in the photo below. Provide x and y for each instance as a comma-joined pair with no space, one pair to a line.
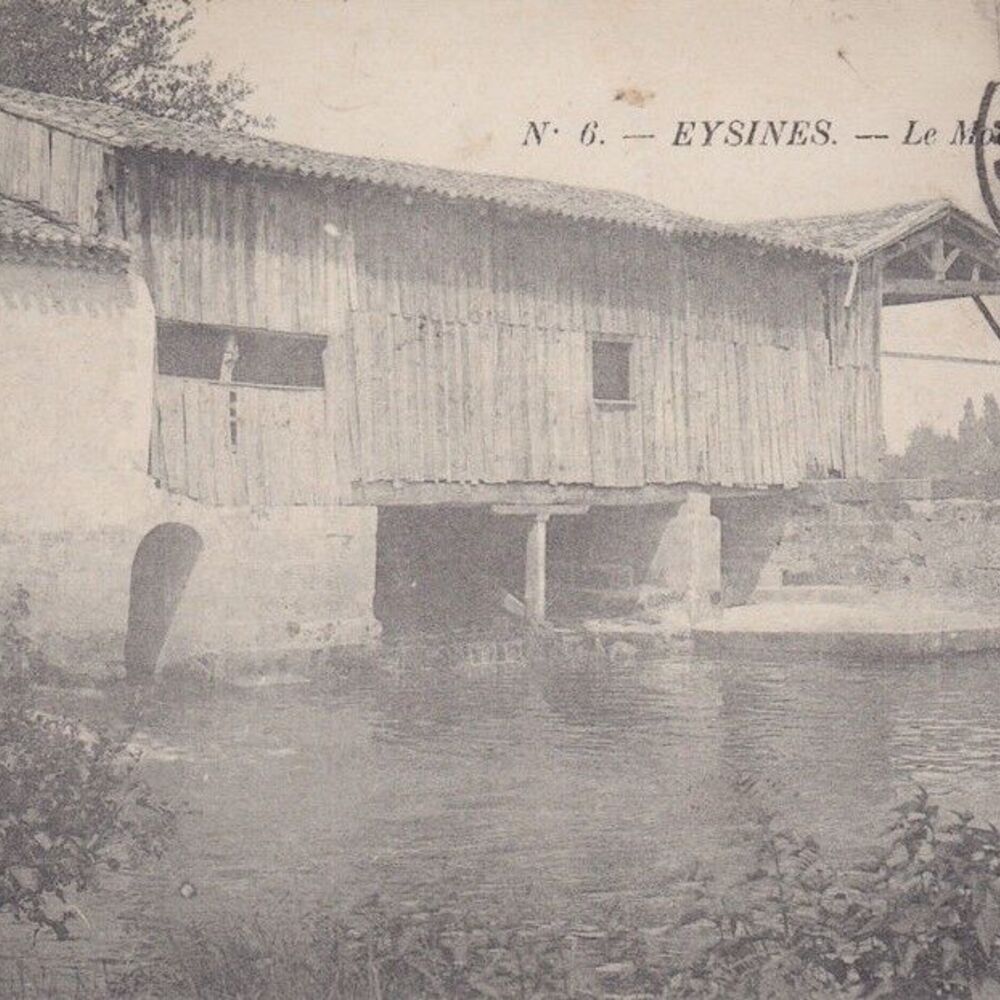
612,361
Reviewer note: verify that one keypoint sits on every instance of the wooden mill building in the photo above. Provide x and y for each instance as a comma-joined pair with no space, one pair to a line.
337,332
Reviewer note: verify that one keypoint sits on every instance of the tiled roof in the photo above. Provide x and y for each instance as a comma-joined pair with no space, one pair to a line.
856,235
126,129
843,237
848,235
25,231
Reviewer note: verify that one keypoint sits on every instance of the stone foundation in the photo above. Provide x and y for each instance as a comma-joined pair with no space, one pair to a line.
76,377
290,579
687,561
658,553
949,546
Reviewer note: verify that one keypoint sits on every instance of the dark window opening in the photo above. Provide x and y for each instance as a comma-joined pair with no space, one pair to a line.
193,351
269,359
612,374
190,351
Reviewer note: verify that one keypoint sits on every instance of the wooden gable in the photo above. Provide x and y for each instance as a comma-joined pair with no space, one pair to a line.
949,257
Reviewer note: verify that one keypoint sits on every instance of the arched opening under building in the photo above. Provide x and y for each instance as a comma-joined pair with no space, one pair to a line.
160,570
444,568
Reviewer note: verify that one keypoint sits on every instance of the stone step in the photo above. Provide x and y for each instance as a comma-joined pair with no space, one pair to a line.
817,593
880,630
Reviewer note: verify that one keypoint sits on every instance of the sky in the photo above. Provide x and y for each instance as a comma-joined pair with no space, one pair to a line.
454,83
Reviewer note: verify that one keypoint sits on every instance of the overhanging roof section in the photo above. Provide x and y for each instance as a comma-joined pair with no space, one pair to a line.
120,128
929,249
948,255
844,239
853,235
27,234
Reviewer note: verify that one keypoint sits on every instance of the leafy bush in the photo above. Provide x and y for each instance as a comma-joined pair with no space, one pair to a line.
70,801
920,919
21,662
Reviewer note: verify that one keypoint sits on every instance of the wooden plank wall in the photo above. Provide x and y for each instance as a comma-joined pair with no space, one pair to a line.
855,387
223,246
459,332
61,173
280,455
465,315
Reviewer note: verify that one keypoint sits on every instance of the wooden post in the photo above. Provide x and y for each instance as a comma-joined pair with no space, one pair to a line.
534,568
534,555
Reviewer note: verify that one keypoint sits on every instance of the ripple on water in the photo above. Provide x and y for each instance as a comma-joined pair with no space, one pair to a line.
576,783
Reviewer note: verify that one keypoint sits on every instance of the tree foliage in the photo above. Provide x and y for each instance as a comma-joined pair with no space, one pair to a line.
974,451
71,803
124,52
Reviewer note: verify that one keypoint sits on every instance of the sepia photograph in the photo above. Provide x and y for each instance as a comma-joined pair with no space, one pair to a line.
499,499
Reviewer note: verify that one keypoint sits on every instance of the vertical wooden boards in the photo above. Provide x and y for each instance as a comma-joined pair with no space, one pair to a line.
234,248
60,172
276,457
458,334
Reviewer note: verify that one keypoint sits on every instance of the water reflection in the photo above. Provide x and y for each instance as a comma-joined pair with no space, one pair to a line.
572,783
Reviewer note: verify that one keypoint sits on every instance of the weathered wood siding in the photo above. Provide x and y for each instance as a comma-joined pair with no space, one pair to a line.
234,248
239,445
466,354
459,332
65,175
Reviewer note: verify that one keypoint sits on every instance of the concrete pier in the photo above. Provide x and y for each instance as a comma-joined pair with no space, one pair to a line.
687,559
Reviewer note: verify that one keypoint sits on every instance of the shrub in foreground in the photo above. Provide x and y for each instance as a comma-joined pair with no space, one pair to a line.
919,919
70,801
374,952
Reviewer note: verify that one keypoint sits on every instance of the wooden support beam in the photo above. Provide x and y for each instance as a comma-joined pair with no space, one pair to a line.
950,259
980,251
991,320
537,510
937,259
922,289
904,246
534,554
938,262
562,497
851,284
230,355
534,568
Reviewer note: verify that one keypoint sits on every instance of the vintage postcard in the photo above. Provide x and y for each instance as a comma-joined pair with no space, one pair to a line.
499,499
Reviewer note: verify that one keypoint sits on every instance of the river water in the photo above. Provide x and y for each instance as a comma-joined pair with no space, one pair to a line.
560,783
